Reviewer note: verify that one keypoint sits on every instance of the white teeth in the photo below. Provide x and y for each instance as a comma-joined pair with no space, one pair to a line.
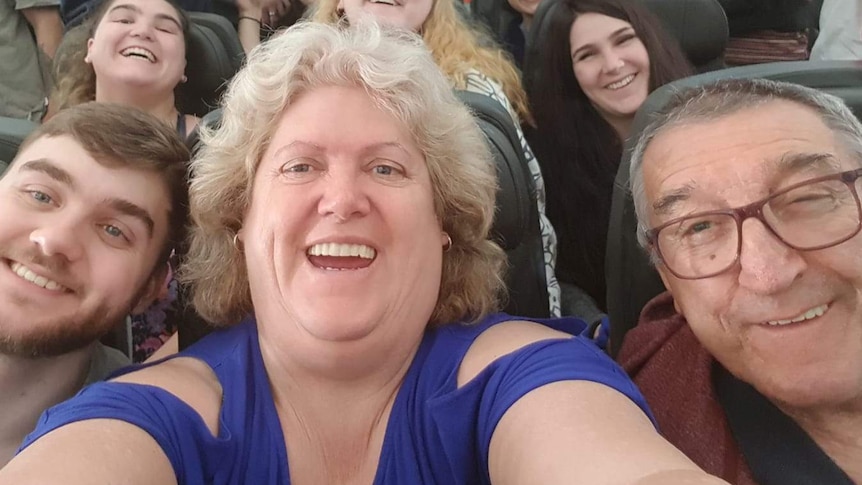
342,250
25,273
138,51
812,313
622,82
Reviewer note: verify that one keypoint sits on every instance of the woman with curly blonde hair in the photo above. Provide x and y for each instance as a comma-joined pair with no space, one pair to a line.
471,61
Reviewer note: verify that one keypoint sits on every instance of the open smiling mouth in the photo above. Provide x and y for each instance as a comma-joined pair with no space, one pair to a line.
622,82
28,275
804,316
139,52
341,257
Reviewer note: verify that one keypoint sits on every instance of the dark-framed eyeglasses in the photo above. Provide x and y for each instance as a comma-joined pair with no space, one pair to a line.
811,215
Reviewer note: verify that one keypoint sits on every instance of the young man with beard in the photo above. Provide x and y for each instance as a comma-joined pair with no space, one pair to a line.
92,206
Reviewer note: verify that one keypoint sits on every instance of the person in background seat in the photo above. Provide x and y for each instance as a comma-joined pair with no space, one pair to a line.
30,31
596,61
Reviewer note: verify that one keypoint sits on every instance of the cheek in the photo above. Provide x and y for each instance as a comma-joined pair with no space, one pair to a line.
585,76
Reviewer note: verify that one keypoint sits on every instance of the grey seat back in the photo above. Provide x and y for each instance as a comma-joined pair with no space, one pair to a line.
214,56
699,26
12,133
632,280
516,224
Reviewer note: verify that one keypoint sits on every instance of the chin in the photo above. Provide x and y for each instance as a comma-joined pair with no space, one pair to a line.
818,390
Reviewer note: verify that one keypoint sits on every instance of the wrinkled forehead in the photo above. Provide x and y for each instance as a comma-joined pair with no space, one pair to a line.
741,156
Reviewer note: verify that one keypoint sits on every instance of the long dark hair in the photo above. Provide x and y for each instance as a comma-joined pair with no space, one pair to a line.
578,150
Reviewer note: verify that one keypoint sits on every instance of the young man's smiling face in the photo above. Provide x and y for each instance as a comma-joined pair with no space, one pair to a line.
79,246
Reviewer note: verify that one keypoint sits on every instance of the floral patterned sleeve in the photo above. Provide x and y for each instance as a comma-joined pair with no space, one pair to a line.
479,83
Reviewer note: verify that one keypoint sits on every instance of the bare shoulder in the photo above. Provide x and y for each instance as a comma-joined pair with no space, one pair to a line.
189,379
500,340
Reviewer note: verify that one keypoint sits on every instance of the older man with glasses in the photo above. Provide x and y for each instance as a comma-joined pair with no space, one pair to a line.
747,196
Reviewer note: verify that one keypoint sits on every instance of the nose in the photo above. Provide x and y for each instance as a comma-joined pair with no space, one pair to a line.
344,196
767,265
58,240
142,29
612,62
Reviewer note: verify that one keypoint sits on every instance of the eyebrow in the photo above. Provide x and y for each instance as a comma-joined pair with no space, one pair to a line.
801,162
666,203
136,9
387,144
125,207
591,45
786,164
299,145
43,165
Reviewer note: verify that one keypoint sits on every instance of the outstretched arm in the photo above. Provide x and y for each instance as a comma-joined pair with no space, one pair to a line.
584,432
573,429
93,451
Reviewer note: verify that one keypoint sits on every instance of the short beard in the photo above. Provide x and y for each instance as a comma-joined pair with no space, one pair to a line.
58,339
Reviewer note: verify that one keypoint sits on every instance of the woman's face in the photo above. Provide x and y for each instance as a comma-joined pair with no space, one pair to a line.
342,242
403,14
611,64
140,43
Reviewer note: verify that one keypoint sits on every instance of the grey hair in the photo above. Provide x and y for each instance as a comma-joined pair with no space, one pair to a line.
398,73
728,96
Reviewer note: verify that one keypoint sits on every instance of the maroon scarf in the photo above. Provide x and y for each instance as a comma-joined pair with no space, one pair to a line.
674,372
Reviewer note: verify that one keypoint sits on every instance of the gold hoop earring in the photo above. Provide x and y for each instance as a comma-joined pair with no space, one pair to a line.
236,242
448,245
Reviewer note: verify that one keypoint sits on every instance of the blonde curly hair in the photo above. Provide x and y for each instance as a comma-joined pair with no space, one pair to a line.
458,49
397,72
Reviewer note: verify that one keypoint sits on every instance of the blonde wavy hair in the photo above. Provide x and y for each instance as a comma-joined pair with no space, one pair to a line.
458,49
397,72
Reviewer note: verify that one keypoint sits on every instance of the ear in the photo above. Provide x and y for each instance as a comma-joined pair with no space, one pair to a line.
151,290
665,277
89,50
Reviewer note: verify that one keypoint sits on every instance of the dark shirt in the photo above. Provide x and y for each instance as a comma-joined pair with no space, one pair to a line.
515,42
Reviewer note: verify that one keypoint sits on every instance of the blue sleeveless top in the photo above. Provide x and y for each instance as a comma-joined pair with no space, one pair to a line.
437,433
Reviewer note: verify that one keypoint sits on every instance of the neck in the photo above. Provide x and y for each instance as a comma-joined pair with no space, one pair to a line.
159,104
622,126
527,22
334,418
30,386
837,430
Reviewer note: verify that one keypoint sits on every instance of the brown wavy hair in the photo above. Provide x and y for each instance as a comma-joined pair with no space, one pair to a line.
74,78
